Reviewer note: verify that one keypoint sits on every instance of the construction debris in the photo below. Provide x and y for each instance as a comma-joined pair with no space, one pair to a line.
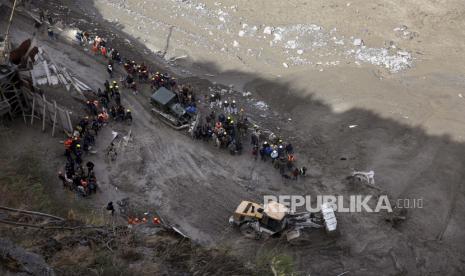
46,72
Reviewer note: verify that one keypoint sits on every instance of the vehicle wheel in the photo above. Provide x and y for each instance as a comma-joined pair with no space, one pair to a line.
247,231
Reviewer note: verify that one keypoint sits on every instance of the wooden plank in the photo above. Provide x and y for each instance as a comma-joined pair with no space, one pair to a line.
70,125
62,79
54,118
34,82
43,113
33,107
81,84
67,76
77,88
47,71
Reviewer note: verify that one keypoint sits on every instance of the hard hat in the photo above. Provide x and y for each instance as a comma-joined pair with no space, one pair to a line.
116,86
232,121
78,145
128,110
111,86
280,146
234,101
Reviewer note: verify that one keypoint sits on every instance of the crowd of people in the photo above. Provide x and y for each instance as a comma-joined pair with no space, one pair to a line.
229,128
77,178
226,125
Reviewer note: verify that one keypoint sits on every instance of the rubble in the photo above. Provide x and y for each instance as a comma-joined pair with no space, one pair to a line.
261,105
394,62
46,72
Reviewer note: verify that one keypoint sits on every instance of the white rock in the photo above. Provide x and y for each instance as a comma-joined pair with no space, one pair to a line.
285,65
300,52
235,44
291,44
358,42
268,30
277,37
241,33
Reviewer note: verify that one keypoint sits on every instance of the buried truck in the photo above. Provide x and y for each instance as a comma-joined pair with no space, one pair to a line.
166,105
274,220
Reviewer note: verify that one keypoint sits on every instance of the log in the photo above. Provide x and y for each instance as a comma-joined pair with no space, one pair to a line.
30,212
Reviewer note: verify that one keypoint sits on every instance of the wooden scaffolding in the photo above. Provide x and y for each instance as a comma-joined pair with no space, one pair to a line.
12,100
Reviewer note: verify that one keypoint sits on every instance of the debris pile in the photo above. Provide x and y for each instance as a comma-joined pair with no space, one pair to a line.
394,62
46,72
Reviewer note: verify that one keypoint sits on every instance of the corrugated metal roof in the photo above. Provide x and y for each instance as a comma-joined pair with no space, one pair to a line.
163,96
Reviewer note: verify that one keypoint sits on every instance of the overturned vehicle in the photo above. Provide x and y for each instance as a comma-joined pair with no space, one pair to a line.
275,220
166,106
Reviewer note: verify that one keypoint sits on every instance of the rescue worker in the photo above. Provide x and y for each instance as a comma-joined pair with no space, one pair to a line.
233,108
290,161
218,99
110,208
212,101
274,156
303,171
128,116
289,149
78,154
68,143
103,50
85,185
63,179
110,70
90,168
255,152
295,173
117,97
226,107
